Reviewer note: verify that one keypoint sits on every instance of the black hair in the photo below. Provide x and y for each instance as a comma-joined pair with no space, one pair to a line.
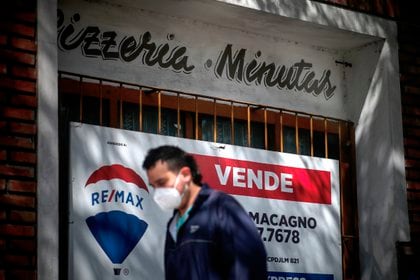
175,157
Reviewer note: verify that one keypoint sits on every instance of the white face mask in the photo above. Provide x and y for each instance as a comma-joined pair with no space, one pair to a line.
168,198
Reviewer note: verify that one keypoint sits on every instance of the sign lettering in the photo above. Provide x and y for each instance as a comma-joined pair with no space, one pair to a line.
232,64
266,180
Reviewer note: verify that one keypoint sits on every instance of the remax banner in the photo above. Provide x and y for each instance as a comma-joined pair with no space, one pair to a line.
116,230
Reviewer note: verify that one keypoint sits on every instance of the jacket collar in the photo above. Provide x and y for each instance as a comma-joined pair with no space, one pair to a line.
200,199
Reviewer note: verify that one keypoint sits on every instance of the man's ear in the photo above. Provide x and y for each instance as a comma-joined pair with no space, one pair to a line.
186,173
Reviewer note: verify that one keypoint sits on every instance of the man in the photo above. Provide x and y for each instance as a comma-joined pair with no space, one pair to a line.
210,236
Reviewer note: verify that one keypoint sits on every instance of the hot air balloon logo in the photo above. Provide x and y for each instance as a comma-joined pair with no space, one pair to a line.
116,231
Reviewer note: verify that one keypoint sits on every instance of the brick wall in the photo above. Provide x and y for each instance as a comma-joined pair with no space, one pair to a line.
18,102
409,53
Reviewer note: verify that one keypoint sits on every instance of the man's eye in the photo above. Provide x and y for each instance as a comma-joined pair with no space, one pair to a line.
160,183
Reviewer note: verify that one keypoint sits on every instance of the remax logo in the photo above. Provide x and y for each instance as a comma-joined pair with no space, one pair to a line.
115,196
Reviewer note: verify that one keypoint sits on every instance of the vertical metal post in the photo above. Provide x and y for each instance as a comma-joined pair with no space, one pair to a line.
159,112
249,125
311,128
81,99
100,102
178,117
265,129
214,121
121,106
326,136
196,117
140,109
281,131
340,137
297,134
232,124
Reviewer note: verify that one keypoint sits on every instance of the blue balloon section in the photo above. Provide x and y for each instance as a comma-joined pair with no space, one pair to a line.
117,233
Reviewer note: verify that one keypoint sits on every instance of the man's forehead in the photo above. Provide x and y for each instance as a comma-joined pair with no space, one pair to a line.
158,172
160,165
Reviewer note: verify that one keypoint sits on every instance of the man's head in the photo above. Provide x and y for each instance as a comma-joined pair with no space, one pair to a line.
172,173
175,158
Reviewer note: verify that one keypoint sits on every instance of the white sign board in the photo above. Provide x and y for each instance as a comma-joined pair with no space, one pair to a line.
117,230
144,47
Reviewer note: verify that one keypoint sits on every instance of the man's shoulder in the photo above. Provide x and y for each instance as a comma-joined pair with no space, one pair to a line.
220,199
217,194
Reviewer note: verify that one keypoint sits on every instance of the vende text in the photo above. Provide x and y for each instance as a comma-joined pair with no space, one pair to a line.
273,181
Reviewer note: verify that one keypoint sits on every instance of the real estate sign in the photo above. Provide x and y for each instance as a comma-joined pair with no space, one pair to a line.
116,229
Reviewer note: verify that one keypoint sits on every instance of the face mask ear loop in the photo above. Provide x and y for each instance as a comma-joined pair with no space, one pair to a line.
176,181
184,187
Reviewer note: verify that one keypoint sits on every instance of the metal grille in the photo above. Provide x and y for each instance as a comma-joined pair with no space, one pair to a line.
136,107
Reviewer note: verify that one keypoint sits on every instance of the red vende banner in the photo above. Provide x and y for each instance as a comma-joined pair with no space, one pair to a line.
240,177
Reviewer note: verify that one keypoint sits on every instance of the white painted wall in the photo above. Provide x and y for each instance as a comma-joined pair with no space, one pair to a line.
284,31
47,142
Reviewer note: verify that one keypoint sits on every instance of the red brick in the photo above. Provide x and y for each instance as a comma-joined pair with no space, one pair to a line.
412,153
23,128
2,245
412,175
411,110
20,260
18,28
412,89
23,216
24,100
23,44
3,68
23,157
411,142
3,215
22,274
10,170
20,85
413,70
2,184
412,163
17,56
24,72
17,113
408,48
26,16
17,230
17,142
3,155
3,39
2,277
4,97
413,185
17,200
21,186
22,245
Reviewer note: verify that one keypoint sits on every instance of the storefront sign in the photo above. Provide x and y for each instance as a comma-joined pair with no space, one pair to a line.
92,42
116,229
137,47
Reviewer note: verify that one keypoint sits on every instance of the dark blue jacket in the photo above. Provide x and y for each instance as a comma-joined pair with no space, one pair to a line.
218,241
